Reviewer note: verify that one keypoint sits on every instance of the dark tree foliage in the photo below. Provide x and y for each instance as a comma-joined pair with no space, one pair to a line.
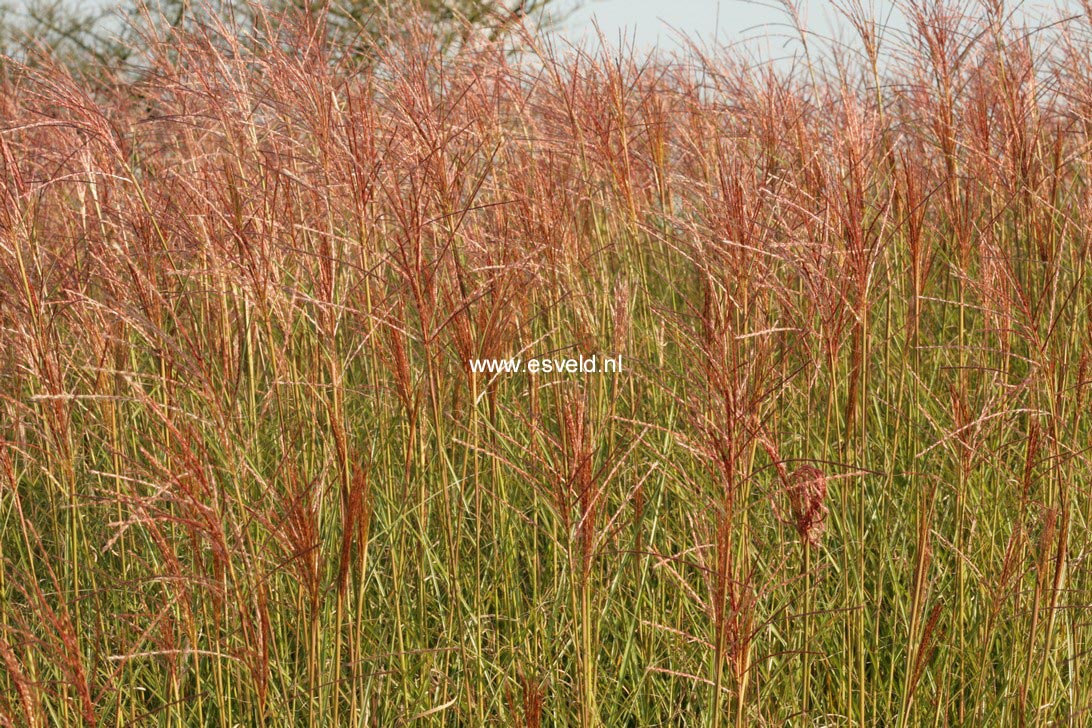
96,34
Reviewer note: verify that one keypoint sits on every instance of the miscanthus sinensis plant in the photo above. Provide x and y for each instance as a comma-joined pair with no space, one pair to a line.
247,476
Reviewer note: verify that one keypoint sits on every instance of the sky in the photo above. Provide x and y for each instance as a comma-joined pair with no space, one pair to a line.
647,23
762,24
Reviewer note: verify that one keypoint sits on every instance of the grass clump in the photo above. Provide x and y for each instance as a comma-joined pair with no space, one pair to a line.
247,476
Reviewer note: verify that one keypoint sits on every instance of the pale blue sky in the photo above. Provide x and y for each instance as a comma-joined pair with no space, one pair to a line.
651,22
761,24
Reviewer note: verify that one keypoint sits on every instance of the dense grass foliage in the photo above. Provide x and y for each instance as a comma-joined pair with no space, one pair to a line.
248,478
